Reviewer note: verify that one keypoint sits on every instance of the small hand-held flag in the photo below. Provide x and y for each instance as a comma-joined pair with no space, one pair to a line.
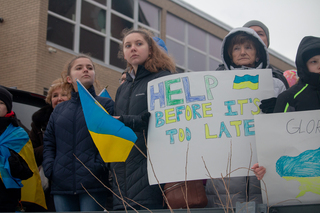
104,93
112,138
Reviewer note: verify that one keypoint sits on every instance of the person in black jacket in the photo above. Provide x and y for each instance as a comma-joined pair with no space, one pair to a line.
67,137
305,95
10,194
146,61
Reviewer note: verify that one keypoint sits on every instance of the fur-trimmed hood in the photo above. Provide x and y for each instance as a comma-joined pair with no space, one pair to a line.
229,65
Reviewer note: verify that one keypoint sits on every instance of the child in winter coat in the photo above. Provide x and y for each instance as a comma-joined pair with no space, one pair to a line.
304,95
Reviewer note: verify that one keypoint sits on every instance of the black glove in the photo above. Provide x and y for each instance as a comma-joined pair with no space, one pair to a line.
267,105
136,122
18,166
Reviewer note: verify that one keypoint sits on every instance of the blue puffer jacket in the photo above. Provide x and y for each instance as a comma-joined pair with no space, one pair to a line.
67,135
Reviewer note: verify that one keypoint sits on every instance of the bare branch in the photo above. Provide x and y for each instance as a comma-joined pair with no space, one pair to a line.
94,198
101,181
125,208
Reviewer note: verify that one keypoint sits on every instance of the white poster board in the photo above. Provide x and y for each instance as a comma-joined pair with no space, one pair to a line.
288,146
204,111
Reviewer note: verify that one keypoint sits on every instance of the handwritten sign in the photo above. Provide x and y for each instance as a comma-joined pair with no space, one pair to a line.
204,111
288,145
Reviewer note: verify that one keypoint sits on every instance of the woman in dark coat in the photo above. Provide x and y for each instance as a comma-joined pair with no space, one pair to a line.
146,61
40,118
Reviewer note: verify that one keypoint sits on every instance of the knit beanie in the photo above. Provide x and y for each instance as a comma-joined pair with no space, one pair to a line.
6,97
309,54
259,24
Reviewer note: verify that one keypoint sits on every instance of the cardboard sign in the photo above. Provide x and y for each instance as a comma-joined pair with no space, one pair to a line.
195,117
288,146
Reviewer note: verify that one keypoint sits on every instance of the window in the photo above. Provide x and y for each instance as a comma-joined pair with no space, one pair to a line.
94,27
193,48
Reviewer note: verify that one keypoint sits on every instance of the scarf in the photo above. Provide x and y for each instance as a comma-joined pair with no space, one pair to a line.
12,138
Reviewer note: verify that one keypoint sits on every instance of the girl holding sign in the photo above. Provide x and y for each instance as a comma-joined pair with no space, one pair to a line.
146,61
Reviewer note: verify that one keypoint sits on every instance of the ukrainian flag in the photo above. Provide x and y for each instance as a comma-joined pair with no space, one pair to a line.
104,93
112,138
17,139
246,81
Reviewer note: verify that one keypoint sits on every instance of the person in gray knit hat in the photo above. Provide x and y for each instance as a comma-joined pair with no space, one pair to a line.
261,29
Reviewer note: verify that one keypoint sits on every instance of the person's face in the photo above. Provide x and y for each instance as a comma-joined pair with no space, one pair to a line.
3,109
313,64
136,50
83,70
58,96
123,78
244,54
261,34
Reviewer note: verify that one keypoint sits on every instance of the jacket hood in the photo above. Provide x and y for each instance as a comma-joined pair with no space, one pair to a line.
307,44
229,65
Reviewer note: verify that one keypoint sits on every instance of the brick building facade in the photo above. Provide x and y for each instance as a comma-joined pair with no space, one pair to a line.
30,62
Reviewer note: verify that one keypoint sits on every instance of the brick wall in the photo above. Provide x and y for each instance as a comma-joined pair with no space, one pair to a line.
25,60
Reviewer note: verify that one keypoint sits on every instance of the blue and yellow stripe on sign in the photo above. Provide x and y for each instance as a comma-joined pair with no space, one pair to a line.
112,138
246,81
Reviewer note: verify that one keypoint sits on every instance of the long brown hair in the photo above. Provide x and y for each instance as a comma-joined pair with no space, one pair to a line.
158,59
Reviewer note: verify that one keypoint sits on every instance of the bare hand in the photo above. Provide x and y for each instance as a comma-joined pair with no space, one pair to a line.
259,171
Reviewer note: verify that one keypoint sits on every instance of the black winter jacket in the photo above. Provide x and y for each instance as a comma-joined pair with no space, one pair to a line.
132,177
39,123
67,135
305,95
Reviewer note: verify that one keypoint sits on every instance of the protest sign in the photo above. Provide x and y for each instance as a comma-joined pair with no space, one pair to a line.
195,117
288,146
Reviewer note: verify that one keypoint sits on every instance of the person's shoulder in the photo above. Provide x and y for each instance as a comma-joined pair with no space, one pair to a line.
107,103
61,106
279,75
104,99
162,73
291,92
221,67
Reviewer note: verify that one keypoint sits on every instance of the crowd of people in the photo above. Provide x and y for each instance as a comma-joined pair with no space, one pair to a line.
62,142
